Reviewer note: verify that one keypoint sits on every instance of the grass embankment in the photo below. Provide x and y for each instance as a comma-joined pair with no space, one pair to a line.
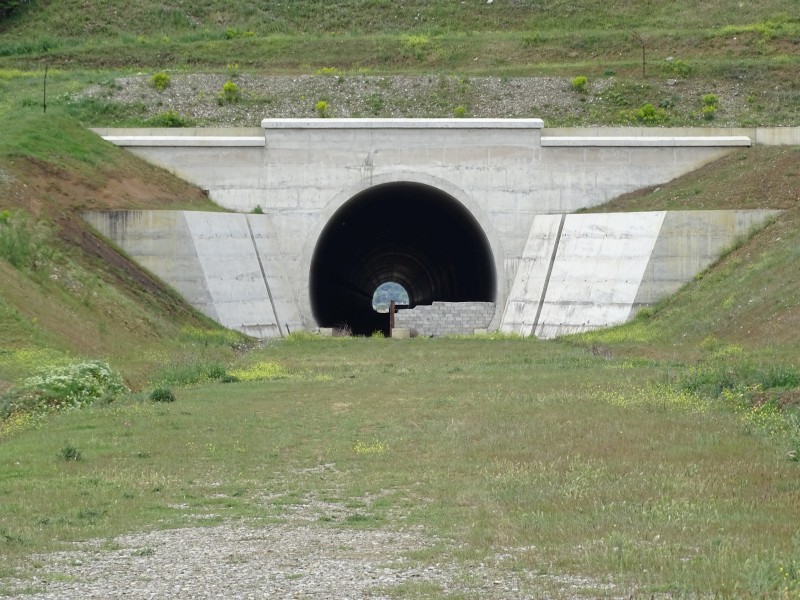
577,467
63,288
746,54
751,298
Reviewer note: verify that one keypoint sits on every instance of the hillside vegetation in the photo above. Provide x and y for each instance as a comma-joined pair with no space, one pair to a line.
655,459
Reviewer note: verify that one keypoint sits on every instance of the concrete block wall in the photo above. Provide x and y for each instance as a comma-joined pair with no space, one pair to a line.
446,318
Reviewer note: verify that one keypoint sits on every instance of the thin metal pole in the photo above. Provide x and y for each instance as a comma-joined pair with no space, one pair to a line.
44,96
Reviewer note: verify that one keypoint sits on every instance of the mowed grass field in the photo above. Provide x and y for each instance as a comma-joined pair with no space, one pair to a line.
575,465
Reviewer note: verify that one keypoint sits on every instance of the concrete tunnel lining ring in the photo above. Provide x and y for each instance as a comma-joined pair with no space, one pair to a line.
414,234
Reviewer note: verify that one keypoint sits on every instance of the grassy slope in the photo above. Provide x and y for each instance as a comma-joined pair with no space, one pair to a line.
751,298
85,298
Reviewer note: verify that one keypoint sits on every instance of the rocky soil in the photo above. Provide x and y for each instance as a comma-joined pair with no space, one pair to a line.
298,558
199,99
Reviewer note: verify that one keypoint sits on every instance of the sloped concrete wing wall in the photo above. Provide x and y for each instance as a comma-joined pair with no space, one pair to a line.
595,270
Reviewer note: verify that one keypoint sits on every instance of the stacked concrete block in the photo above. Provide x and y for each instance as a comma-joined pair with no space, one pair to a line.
446,318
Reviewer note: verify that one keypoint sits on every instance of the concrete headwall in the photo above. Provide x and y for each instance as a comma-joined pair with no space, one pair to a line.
224,264
503,172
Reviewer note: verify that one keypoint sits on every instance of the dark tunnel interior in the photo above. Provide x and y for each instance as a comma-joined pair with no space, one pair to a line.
408,233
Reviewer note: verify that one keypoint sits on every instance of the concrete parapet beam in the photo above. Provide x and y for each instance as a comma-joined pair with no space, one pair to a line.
402,124
645,141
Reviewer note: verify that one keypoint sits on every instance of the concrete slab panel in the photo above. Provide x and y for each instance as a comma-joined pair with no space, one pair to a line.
228,259
267,242
597,270
161,242
530,281
688,243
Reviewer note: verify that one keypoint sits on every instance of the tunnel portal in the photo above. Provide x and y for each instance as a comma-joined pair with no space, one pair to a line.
408,233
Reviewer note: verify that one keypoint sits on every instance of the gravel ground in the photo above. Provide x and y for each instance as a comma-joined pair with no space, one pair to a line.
296,558
196,97
278,561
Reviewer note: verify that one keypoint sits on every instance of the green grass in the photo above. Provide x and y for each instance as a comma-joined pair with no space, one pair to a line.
574,464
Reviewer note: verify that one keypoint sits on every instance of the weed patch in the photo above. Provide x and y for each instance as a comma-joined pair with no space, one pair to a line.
73,386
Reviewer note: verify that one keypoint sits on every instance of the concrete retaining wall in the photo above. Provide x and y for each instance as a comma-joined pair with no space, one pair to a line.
446,318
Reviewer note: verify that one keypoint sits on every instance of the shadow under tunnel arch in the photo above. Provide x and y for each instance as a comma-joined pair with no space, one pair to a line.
408,233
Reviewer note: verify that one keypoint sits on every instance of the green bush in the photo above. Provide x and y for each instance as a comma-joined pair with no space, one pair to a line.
160,81
709,106
230,94
710,100
322,109
677,68
72,386
69,452
162,394
647,114
579,84
460,112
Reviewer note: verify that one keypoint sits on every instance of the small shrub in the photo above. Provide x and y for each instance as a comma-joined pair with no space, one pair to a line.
322,109
160,81
579,84
230,94
233,70
710,100
72,386
647,114
162,394
710,104
677,68
460,112
258,210
375,104
69,452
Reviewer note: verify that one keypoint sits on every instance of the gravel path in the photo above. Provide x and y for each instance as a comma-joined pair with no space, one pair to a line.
238,561
298,558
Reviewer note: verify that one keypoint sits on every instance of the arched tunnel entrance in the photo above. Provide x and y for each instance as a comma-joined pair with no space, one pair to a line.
408,233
